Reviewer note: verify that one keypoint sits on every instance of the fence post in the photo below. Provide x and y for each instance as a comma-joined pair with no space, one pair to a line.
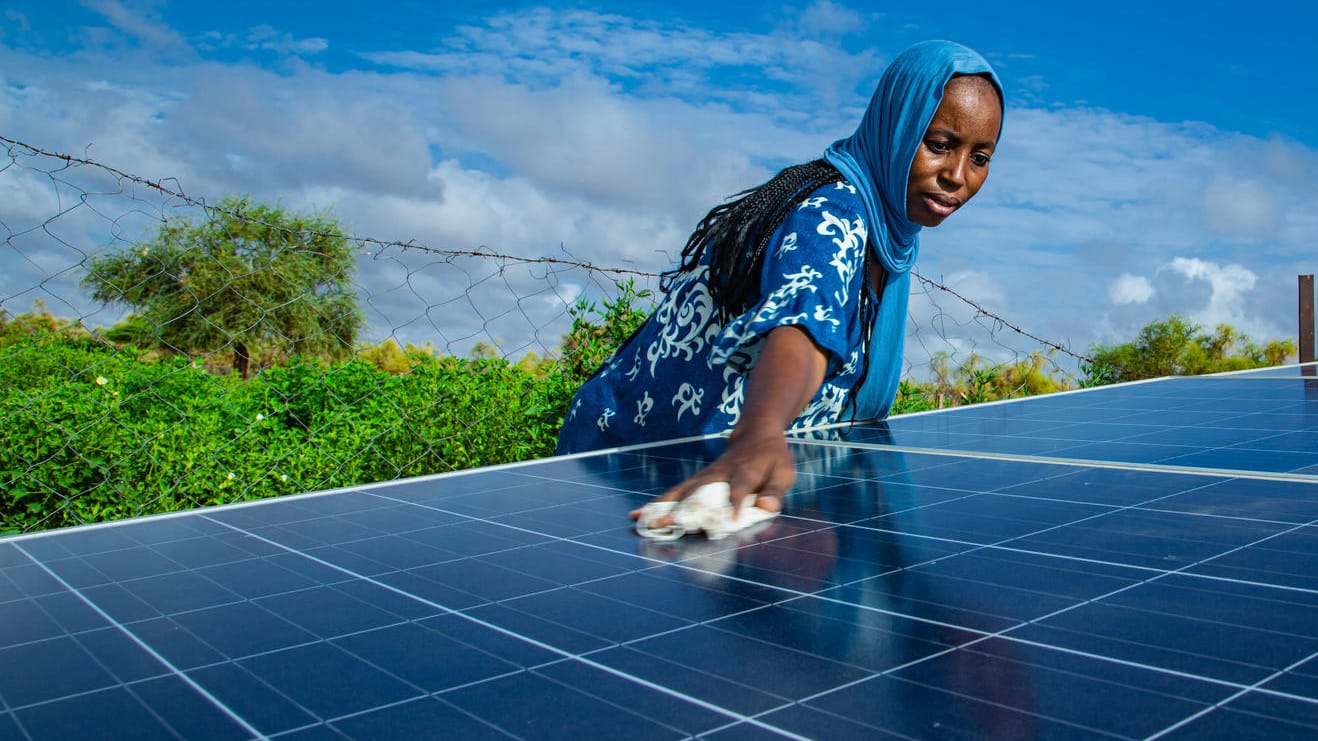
1306,318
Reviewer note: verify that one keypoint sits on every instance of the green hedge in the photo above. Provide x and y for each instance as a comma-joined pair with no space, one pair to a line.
94,433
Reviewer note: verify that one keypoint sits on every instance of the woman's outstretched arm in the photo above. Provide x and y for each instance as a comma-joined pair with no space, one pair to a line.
785,377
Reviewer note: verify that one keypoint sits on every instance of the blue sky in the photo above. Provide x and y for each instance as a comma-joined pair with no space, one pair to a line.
1157,156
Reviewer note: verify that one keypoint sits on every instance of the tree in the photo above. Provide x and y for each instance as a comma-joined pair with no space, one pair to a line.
1277,352
38,324
1178,347
944,377
483,350
253,277
1223,341
1031,376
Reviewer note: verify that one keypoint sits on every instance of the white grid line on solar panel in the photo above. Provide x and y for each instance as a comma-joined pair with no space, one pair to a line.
1257,686
1282,375
1005,635
1300,370
282,648
1154,575
1141,507
999,544
1064,395
1225,475
184,569
539,644
1119,397
1158,574
807,702
174,670
659,562
8,710
124,629
799,594
1195,429
439,695
1222,475
1240,689
1076,462
973,546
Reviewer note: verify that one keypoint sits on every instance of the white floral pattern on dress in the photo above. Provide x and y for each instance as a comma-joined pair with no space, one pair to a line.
643,407
685,325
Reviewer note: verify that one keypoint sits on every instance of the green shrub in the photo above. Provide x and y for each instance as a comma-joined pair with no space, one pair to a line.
95,433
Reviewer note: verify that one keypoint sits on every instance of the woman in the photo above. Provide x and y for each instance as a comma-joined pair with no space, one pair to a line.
789,307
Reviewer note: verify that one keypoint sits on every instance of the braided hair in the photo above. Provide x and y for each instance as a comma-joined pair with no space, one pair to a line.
736,233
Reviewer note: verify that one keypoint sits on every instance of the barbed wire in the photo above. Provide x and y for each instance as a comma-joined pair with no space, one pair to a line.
980,311
102,421
212,210
482,251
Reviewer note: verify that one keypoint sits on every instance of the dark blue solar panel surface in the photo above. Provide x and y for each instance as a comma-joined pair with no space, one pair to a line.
1248,422
1134,561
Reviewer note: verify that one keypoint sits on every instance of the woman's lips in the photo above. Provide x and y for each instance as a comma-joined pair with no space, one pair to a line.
940,206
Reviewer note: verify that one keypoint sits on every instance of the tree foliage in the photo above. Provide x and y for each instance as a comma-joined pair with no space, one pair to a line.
254,278
1177,346
35,324
596,333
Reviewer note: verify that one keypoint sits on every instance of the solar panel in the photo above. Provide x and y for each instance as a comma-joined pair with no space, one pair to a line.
1137,560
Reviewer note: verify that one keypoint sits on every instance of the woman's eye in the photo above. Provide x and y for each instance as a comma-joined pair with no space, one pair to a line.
980,160
937,147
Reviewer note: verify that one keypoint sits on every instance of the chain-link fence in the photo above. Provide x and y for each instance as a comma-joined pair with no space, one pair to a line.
160,351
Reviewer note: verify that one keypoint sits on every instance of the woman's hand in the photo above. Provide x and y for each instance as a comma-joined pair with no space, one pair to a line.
757,461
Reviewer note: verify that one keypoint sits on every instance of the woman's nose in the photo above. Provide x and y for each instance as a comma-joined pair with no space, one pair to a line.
953,172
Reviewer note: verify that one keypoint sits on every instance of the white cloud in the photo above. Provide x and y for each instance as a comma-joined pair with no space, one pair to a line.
542,47
1235,207
263,38
824,19
1206,292
1130,289
267,38
1230,289
142,26
589,141
612,136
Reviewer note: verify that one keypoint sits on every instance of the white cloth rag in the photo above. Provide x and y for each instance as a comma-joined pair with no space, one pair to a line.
707,510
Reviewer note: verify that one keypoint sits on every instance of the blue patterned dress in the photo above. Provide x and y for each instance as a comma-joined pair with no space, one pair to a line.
683,372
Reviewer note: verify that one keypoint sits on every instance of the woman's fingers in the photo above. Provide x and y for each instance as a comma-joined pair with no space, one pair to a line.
761,466
768,488
767,471
676,493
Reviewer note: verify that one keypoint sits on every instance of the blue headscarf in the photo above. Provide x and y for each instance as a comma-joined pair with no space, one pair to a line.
877,160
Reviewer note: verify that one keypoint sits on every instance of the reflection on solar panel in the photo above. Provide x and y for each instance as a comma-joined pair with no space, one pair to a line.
1137,560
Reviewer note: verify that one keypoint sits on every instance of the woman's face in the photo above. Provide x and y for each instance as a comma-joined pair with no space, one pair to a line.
952,161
